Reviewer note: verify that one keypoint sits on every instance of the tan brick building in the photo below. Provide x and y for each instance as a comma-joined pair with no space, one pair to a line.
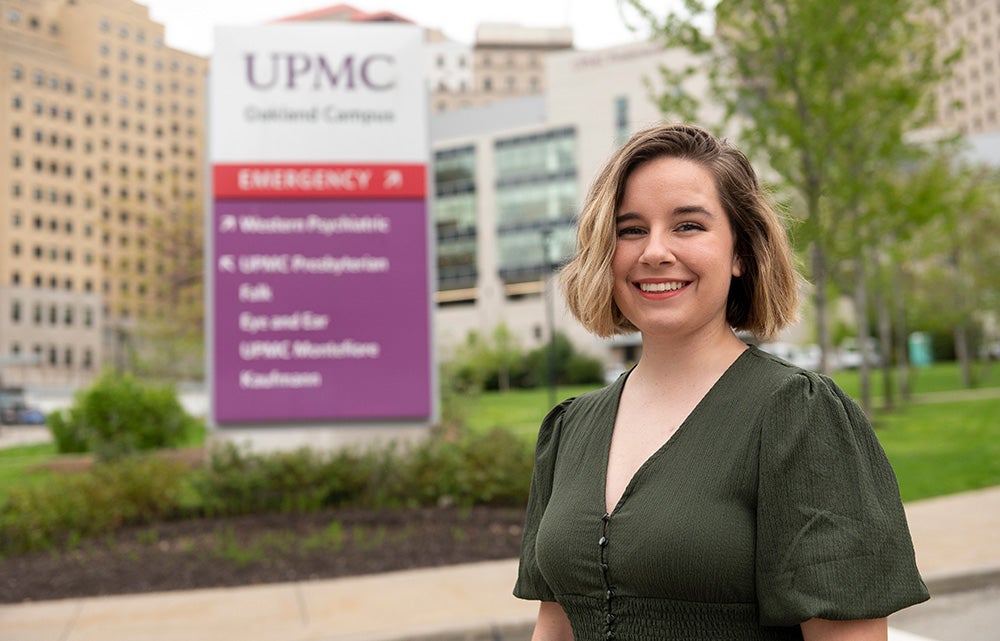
508,61
969,101
102,179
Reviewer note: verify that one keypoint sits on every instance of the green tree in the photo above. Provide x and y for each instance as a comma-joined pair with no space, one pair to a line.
956,280
824,91
172,338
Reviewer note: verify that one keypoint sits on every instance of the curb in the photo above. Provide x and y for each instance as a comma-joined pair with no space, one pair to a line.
963,579
510,630
938,584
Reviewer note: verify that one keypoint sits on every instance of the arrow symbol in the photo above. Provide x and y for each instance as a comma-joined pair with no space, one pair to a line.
227,264
227,223
393,179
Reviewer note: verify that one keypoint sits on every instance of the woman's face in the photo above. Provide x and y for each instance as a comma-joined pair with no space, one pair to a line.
674,254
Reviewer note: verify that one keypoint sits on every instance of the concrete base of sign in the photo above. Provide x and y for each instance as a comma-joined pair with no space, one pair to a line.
276,438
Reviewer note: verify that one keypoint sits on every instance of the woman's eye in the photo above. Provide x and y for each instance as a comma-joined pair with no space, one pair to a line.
629,231
689,227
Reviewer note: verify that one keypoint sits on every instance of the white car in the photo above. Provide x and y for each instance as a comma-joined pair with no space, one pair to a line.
849,354
804,356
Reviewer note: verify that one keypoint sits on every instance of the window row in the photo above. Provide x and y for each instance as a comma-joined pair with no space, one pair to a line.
33,22
38,282
53,253
52,356
40,195
17,132
533,157
52,314
140,82
124,146
124,31
38,108
124,55
40,79
55,112
54,224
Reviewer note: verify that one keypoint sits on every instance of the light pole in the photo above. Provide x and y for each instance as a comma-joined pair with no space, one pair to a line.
550,320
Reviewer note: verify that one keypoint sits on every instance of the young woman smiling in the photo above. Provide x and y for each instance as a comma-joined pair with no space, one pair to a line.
713,492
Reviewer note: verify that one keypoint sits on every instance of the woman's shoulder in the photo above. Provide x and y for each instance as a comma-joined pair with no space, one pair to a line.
784,383
595,401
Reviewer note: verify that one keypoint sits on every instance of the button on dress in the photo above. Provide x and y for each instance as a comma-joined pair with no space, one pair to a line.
772,503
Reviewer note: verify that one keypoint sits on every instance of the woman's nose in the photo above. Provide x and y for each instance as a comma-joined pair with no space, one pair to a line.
657,250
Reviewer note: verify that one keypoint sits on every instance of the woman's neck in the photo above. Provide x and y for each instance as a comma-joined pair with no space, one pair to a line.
668,359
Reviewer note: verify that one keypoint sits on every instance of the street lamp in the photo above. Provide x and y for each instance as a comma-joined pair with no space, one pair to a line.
547,274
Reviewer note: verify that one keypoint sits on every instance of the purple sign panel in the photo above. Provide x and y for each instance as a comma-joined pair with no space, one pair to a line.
322,310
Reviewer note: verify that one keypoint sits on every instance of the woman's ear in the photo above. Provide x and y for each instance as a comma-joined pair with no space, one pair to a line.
737,266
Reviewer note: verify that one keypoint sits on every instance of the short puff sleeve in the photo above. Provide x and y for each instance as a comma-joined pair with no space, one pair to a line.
530,582
832,538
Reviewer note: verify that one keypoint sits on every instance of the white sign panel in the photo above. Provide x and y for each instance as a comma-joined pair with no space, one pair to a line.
308,92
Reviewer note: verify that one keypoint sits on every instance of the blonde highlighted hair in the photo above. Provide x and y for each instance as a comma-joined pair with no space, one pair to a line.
762,300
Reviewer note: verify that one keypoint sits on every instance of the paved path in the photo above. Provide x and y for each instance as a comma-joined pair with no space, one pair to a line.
957,540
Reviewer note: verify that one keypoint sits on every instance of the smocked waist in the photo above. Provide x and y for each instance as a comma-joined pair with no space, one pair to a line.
627,618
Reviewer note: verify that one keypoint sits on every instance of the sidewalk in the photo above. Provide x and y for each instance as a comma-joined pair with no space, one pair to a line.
957,540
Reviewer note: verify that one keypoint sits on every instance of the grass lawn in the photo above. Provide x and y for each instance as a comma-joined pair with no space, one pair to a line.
17,465
935,448
942,448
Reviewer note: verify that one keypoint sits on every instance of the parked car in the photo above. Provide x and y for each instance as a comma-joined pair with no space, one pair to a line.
14,410
849,354
804,356
32,416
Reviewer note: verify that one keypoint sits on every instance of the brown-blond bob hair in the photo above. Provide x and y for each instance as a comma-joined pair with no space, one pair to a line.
762,300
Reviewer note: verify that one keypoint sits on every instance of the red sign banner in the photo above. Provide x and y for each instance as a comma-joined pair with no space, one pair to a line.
319,181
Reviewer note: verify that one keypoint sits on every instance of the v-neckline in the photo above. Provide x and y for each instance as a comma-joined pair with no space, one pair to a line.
656,453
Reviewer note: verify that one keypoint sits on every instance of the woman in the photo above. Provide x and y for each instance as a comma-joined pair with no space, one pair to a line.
713,492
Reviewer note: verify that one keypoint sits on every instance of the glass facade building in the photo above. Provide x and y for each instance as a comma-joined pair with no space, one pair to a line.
536,191
455,217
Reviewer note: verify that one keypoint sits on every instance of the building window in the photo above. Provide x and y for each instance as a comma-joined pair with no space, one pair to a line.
621,119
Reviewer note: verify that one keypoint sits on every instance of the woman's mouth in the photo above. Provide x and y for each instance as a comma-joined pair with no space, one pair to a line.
658,288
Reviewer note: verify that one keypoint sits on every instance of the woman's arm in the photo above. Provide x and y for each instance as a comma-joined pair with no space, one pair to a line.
552,624
860,630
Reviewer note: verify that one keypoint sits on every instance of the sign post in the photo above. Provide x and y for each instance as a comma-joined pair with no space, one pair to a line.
319,255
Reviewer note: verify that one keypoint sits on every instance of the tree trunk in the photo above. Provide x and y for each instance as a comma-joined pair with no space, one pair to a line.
902,347
962,354
819,298
881,302
861,310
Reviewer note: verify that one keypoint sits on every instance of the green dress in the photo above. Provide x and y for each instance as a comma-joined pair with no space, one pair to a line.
772,503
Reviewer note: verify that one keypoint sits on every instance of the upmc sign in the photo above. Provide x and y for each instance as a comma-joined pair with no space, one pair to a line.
319,260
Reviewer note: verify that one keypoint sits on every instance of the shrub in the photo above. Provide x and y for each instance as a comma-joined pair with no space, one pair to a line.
570,366
118,415
238,482
476,469
73,507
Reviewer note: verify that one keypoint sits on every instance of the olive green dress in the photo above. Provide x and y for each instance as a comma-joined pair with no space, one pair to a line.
772,503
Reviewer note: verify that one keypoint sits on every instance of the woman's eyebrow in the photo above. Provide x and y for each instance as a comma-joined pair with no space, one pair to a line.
627,216
692,209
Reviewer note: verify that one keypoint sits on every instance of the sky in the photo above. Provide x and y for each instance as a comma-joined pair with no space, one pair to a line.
596,23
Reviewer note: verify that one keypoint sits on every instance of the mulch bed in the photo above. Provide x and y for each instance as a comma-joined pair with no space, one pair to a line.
207,553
